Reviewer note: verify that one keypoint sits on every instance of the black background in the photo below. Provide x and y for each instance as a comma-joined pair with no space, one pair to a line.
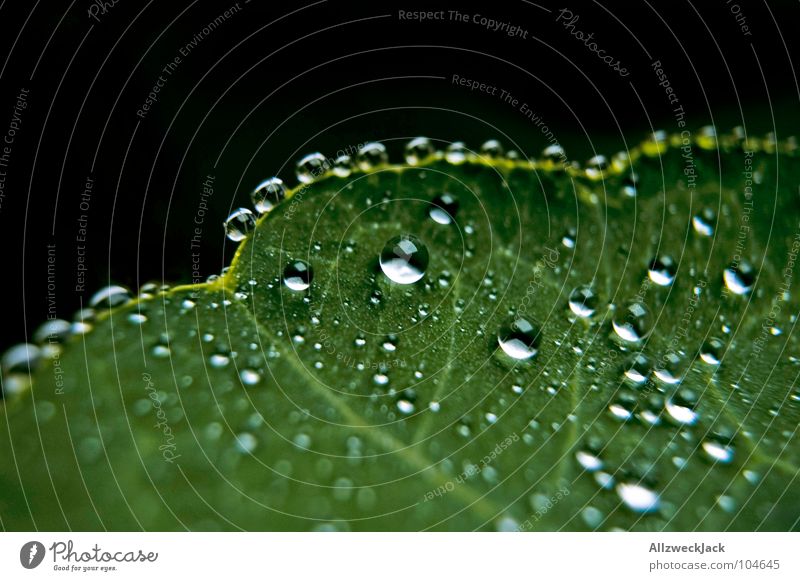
278,80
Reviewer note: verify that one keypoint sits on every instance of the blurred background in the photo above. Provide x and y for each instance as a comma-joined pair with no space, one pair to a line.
258,84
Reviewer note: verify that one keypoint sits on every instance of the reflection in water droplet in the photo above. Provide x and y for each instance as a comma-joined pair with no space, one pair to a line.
662,270
583,301
637,497
520,340
418,150
298,275
740,279
239,224
633,322
268,194
443,209
404,259
342,166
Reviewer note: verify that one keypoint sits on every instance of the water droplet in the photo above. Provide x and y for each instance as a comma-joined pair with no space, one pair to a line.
405,406
298,275
219,360
418,150
592,517
555,154
250,377
268,194
637,368
52,331
390,344
404,259
239,224
680,407
246,442
662,270
713,351
312,166
569,238
137,318
456,153
161,351
671,368
633,322
371,156
520,340
20,358
443,209
588,460
583,301
740,279
380,379
492,149
703,222
110,297
718,449
434,406
637,497
342,166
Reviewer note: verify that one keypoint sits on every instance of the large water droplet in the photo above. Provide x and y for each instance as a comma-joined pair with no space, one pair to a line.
298,275
443,209
718,449
740,278
312,166
110,297
239,224
520,340
713,351
268,194
418,150
371,156
456,153
637,368
492,149
633,322
703,222
583,301
680,407
53,331
20,358
404,259
671,368
662,270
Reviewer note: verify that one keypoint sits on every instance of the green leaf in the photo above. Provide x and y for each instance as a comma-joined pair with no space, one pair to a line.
364,404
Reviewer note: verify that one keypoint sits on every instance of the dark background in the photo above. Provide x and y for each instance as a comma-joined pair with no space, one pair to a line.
278,80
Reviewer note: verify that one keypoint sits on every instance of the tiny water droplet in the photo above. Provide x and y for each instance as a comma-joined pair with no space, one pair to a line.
492,149
249,377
